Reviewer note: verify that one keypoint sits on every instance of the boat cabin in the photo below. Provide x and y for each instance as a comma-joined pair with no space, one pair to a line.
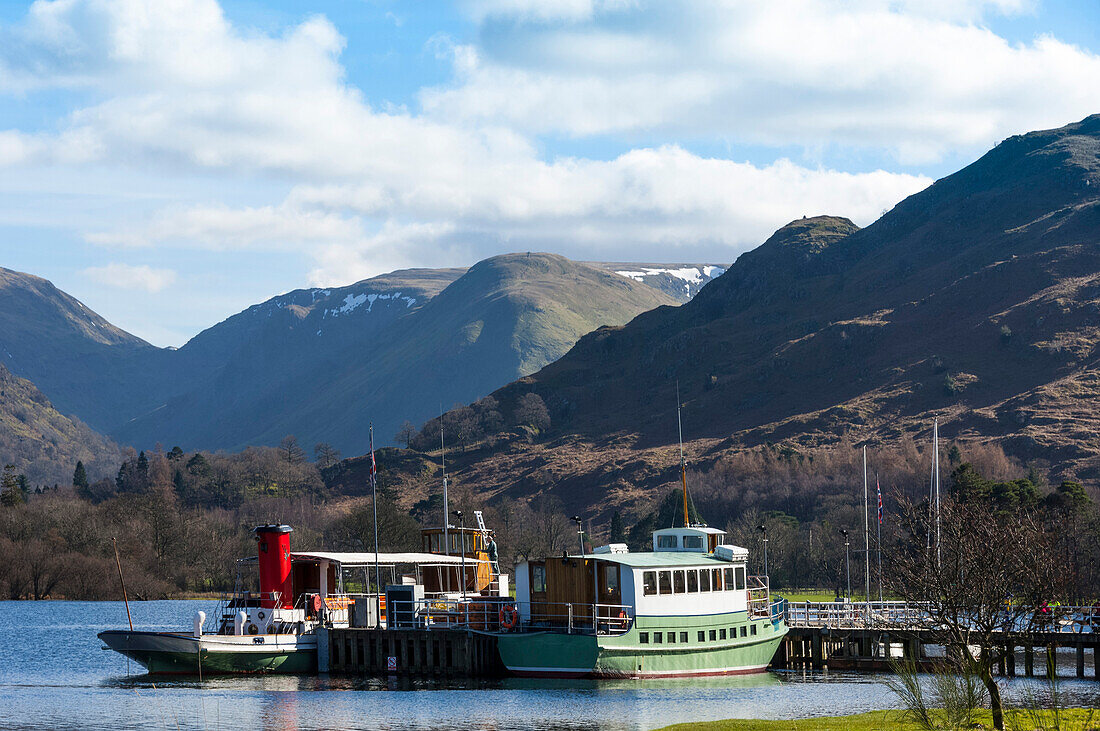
697,539
469,543
690,572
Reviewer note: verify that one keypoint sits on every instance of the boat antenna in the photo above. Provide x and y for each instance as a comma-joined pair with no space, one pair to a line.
443,459
683,464
122,581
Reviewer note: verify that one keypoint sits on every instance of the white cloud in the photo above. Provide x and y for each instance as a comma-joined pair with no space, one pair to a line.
173,87
918,79
219,227
128,276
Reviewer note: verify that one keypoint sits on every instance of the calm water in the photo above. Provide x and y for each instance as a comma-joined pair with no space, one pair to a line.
53,674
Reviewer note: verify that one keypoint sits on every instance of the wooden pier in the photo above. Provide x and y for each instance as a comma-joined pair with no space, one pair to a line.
412,652
871,636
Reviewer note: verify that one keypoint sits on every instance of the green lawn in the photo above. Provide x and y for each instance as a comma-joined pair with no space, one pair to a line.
805,595
1074,719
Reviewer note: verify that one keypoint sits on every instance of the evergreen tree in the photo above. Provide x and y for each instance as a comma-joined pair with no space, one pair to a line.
80,479
618,532
10,494
143,465
175,454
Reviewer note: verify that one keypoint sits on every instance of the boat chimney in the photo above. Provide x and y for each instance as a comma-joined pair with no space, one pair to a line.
273,550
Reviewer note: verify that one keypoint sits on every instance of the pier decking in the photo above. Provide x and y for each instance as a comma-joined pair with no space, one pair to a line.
869,635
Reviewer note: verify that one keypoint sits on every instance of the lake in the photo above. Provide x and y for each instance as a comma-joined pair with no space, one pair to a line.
53,674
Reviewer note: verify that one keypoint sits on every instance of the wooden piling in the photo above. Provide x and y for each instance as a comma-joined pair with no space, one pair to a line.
1080,649
1029,660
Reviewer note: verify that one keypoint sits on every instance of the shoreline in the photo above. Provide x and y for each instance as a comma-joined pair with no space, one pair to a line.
895,720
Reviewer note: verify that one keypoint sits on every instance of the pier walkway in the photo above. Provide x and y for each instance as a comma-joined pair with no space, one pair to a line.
869,635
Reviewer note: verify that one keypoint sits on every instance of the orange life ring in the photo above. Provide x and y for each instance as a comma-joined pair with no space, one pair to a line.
508,616
318,602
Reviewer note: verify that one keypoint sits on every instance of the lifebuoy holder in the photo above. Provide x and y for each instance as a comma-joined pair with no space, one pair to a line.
508,616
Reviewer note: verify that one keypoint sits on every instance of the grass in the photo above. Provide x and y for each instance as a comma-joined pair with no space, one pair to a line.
1072,718
806,595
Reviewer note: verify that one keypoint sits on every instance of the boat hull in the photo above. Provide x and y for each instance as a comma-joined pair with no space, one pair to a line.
174,653
561,655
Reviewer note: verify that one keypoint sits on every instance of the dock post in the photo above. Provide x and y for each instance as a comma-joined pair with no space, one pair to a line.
1010,658
1080,660
1096,662
1002,665
1052,662
322,649
1029,660
817,652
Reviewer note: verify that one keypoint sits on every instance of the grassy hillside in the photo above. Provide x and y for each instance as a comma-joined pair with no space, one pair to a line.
42,443
72,353
323,364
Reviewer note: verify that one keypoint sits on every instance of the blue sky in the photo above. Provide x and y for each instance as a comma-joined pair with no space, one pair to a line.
171,162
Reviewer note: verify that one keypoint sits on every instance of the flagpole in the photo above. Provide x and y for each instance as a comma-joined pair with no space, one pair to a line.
866,537
878,488
377,570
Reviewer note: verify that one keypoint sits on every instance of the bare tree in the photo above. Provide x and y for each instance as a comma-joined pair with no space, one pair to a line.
984,582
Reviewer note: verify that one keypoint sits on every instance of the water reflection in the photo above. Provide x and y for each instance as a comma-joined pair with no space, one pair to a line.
54,675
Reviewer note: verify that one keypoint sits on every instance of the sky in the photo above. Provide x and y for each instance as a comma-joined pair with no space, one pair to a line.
171,162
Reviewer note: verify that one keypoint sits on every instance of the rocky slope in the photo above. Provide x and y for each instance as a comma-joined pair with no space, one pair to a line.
977,300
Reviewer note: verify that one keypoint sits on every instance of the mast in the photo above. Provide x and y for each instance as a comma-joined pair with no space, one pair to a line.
446,507
683,464
866,536
374,500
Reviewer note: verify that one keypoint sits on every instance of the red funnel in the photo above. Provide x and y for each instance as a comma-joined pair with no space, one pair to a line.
274,553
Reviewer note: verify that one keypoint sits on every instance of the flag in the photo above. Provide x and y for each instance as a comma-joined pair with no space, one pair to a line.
878,487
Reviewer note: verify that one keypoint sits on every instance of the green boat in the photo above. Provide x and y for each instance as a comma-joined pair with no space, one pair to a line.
687,608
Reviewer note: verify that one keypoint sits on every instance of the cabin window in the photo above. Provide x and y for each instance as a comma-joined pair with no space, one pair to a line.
684,637
678,582
665,584
716,579
611,576
704,580
666,541
742,631
658,638
693,542
728,576
722,633
740,577
538,579
754,629
702,636
693,580
649,583
713,635
672,638
643,638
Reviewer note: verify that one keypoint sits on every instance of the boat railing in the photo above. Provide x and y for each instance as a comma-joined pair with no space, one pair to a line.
759,596
502,614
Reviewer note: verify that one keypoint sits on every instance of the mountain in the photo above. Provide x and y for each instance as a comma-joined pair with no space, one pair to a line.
975,300
71,353
323,364
44,444
679,281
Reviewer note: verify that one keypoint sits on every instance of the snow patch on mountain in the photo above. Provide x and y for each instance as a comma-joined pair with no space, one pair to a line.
353,302
692,277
